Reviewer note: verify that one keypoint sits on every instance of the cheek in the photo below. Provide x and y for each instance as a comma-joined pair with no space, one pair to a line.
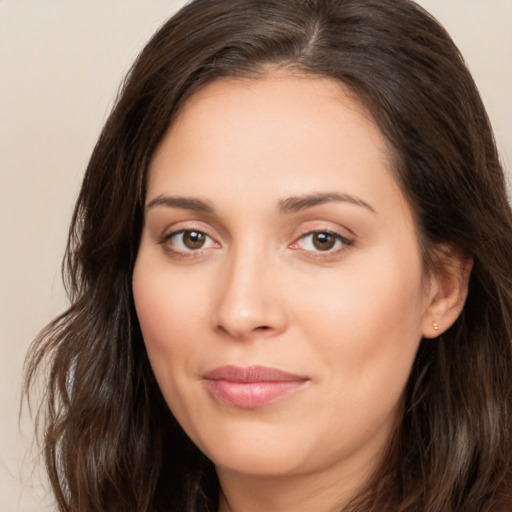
367,328
166,298
369,300
168,313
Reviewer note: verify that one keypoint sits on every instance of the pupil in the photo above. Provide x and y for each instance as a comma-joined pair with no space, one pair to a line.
323,241
193,239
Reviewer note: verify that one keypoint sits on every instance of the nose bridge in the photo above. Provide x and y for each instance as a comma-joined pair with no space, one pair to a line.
248,299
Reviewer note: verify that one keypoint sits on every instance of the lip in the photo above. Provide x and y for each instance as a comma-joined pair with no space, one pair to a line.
252,386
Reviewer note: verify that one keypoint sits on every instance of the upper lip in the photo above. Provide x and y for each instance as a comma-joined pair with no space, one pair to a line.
249,374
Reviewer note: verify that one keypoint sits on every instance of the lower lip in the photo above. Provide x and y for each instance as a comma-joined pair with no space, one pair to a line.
251,394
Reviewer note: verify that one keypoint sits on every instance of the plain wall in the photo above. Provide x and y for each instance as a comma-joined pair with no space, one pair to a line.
60,66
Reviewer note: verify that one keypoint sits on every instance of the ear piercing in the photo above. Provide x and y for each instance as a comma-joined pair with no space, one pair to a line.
435,325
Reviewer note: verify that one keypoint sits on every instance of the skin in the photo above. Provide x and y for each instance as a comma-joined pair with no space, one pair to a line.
260,292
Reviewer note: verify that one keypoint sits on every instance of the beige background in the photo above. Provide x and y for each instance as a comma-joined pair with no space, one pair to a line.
60,66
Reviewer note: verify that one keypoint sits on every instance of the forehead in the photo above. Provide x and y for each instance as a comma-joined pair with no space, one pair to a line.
281,135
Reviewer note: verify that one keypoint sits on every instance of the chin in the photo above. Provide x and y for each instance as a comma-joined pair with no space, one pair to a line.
258,463
256,452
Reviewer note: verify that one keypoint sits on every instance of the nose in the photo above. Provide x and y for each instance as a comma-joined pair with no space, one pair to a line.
249,300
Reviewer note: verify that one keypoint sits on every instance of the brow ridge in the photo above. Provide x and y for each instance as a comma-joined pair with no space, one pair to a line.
288,205
298,203
186,203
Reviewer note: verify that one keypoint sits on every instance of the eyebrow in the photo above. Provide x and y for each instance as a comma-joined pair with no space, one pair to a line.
186,203
289,205
298,203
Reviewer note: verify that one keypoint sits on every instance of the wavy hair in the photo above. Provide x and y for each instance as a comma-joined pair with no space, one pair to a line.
109,440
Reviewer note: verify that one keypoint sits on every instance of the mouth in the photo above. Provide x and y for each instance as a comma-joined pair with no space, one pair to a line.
250,387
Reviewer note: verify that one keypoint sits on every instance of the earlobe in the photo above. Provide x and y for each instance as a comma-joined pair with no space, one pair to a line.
449,288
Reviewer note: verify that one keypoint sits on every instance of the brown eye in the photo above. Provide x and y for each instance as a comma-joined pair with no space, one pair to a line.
186,242
193,239
323,241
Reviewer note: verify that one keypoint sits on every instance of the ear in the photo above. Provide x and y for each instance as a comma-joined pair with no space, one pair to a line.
448,290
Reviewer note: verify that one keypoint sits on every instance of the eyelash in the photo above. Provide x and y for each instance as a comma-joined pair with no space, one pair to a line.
341,243
184,252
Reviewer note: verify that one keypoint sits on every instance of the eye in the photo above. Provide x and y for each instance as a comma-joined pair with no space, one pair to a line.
188,240
321,241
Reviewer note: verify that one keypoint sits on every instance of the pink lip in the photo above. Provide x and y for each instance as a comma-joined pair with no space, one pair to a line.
252,386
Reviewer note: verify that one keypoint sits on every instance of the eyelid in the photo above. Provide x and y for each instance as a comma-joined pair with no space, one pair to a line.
165,241
346,242
342,243
172,234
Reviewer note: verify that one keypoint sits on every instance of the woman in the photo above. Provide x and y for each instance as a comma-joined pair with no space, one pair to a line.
289,270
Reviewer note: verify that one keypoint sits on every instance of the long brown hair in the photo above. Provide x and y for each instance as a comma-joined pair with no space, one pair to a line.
109,440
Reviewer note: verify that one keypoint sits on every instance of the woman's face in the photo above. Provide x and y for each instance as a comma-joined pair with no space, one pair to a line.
279,284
